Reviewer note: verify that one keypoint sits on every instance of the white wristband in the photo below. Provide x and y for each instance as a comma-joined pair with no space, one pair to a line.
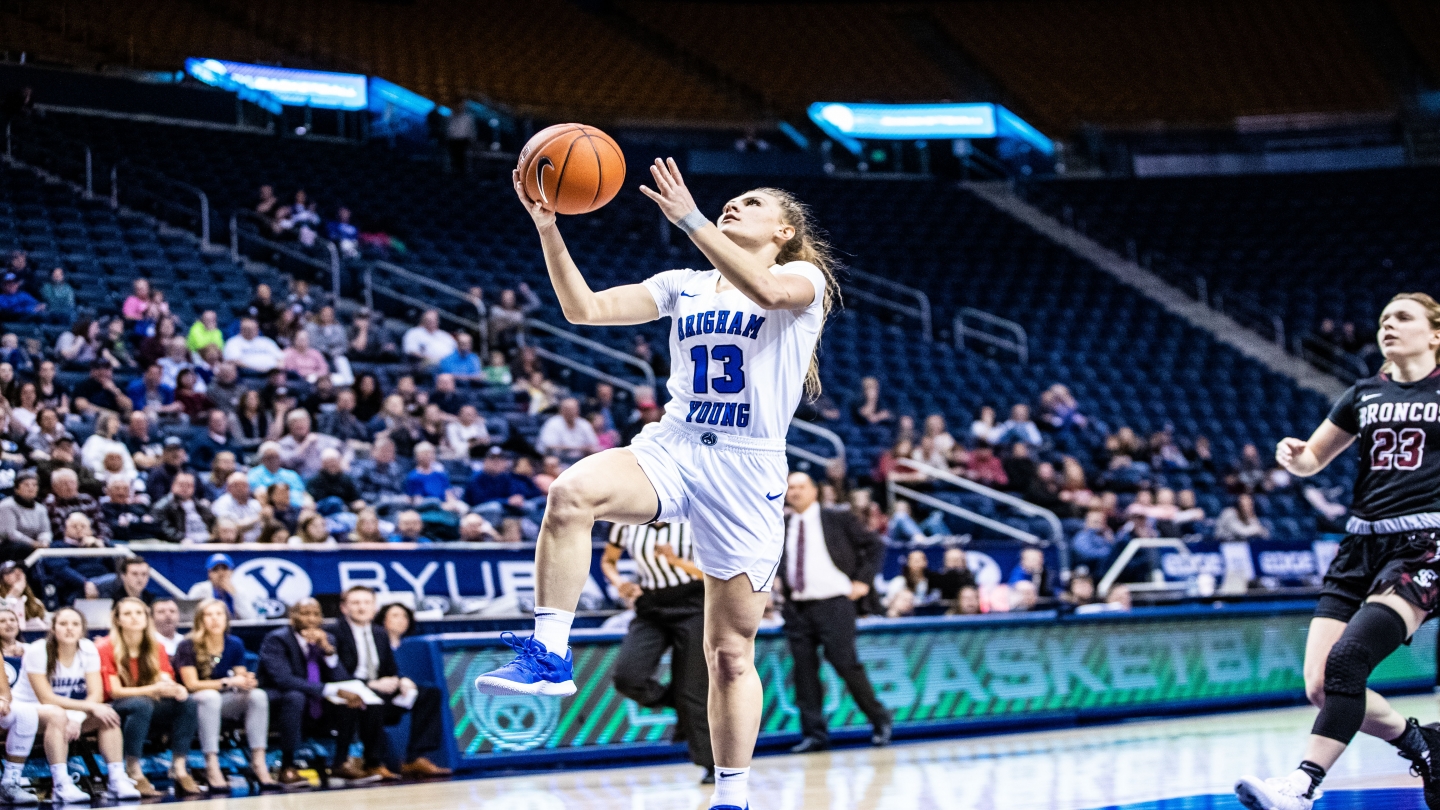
692,222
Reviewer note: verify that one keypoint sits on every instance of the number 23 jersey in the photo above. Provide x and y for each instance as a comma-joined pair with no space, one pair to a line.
735,367
1398,425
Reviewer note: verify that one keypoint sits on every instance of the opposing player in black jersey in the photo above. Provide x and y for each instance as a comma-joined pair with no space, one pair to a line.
1385,580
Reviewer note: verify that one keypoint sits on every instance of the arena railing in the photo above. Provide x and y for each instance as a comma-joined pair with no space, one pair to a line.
65,158
332,268
1330,358
53,551
1057,532
1133,548
920,310
1014,340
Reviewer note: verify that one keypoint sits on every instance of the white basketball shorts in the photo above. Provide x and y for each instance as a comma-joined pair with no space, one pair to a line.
730,489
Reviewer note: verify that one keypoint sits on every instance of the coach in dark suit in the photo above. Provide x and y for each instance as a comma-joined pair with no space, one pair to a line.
829,562
298,669
365,652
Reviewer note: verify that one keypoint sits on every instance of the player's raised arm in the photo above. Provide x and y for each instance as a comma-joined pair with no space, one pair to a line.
617,306
1305,458
745,269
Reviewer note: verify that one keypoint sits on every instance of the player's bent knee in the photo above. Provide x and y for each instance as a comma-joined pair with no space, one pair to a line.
571,498
1315,692
729,661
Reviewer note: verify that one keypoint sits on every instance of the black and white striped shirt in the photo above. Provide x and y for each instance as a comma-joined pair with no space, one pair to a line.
653,571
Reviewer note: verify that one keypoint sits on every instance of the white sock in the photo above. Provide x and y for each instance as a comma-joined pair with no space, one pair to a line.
115,770
732,786
552,628
13,771
59,774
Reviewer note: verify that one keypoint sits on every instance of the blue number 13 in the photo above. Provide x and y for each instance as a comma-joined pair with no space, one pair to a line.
734,369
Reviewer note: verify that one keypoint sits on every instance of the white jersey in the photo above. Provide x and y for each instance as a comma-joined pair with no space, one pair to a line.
735,367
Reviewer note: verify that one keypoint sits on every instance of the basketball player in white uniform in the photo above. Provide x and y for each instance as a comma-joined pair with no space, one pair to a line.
742,346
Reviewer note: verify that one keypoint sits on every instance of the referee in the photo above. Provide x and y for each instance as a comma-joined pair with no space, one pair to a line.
669,614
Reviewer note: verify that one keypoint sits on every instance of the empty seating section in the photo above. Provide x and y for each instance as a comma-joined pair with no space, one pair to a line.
545,54
1420,20
1309,246
1121,61
21,35
795,54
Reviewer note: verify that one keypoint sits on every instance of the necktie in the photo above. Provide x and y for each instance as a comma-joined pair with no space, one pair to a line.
800,554
372,657
312,674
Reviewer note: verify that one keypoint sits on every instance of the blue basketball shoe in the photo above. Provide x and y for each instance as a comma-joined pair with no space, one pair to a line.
535,671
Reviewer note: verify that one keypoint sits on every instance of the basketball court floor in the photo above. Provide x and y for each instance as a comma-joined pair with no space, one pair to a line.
1183,764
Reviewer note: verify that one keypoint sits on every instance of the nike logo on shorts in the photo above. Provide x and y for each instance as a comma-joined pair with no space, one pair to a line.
770,497
1369,396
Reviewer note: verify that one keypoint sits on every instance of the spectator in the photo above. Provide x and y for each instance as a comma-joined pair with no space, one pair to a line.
369,400
476,529
180,517
901,604
42,437
269,471
62,457
215,440
364,650
24,521
135,304
398,425
370,342
132,579
926,453
252,350
173,461
52,392
166,614
211,663
954,576
157,344
26,406
303,360
427,344
17,597
1059,410
263,309
1020,468
1024,596
251,424
61,674
984,425
1074,490
140,684
463,362
239,506
116,345
428,481
380,478
466,437
18,305
193,402
99,392
398,621
225,387
367,528
345,235
10,644
497,371
219,585
126,519
967,602
299,669
326,335
659,366
1094,543
1239,522
567,435
914,578
507,317
57,294
605,437
870,410
936,430
1044,490
150,394
341,421
409,528
984,467
1018,428
205,332
333,490
1032,569
1247,474
66,498
213,484
102,443
1188,513
1081,590
494,490
301,447
541,393
1119,597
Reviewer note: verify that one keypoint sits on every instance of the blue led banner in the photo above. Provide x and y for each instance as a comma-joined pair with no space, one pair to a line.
903,122
300,88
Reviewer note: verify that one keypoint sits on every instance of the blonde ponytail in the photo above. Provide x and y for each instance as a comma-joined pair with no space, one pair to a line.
1432,315
808,245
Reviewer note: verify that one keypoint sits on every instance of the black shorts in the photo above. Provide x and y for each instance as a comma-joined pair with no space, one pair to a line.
1371,563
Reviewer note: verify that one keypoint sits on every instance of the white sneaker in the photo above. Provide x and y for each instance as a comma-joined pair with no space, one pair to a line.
1277,792
69,794
12,792
123,787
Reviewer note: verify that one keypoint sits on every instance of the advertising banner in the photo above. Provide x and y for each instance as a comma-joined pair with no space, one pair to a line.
945,674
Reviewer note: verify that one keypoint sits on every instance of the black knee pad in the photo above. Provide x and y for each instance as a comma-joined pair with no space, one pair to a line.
1374,633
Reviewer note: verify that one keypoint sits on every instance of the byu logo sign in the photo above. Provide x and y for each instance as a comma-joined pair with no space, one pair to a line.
274,583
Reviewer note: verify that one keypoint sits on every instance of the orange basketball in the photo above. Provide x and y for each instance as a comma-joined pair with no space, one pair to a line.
572,168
